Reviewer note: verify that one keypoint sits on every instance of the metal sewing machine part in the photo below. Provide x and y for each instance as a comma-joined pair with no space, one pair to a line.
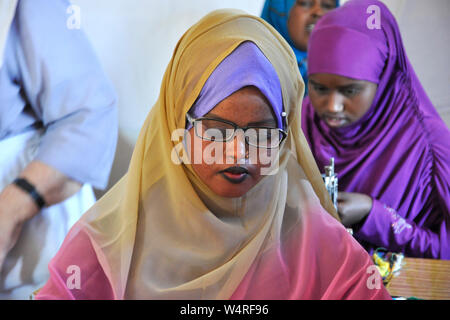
330,179
331,182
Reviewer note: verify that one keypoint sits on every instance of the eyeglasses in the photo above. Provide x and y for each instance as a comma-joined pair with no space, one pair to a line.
219,130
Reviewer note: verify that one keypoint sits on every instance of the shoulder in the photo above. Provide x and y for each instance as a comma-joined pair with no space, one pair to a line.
41,9
42,19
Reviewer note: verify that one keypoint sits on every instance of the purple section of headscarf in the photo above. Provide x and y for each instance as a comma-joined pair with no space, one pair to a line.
398,152
329,52
245,66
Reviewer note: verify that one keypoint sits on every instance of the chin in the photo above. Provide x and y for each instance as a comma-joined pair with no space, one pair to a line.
229,190
232,192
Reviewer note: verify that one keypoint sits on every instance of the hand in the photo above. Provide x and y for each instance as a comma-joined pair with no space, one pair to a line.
16,207
353,207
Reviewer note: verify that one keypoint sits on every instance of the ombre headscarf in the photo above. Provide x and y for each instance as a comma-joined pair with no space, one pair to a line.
160,233
276,12
398,151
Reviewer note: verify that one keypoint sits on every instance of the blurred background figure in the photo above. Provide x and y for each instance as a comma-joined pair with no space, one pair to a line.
294,20
58,134
368,110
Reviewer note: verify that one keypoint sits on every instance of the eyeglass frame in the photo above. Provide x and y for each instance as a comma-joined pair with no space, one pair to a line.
235,126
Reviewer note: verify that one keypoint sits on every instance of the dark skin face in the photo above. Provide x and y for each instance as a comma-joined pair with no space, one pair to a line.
303,15
245,107
341,101
338,100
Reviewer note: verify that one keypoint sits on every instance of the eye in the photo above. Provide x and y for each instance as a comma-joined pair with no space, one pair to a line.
319,88
304,3
263,137
214,130
328,5
350,92
214,134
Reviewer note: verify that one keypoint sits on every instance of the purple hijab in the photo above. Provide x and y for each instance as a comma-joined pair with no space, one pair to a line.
398,151
245,66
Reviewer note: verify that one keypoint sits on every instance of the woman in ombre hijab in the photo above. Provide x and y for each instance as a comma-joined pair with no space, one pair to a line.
367,109
201,214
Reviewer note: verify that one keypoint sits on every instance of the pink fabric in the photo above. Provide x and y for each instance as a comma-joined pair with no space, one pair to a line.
312,265
77,251
327,265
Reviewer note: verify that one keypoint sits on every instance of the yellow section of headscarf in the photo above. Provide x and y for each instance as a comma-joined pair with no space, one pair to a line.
160,232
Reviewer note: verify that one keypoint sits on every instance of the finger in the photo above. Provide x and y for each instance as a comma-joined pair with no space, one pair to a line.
341,209
2,259
342,195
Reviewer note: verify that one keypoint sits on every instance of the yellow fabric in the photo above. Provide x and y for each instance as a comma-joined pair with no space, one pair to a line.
160,232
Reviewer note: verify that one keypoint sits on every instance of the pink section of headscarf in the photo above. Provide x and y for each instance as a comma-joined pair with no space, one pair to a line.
299,270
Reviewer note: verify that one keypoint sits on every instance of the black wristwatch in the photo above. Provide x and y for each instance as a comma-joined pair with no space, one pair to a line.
26,186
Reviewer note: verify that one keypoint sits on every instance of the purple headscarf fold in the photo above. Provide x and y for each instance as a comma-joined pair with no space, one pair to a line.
398,151
329,53
245,66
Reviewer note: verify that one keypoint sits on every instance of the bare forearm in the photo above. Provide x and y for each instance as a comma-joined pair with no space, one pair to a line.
51,184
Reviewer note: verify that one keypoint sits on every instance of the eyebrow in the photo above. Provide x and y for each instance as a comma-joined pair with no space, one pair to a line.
250,124
262,122
343,87
350,86
316,83
330,2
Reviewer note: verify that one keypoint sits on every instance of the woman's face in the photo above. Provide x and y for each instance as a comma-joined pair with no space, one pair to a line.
235,173
338,100
303,16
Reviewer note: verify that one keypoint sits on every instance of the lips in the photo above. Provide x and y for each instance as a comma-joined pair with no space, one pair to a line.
334,121
310,27
235,174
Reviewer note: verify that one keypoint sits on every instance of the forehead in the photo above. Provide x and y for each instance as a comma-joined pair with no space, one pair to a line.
244,106
330,79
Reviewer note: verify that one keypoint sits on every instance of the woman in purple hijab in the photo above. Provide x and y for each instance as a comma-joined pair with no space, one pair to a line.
368,110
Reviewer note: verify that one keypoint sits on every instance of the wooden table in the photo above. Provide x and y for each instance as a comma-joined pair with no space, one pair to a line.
422,278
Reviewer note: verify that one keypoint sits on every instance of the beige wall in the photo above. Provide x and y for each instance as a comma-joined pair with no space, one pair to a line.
135,39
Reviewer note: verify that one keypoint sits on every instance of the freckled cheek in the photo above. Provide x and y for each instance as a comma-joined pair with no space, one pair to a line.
197,147
204,172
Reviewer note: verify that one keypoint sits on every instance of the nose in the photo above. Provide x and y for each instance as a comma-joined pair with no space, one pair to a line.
237,147
335,103
317,10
